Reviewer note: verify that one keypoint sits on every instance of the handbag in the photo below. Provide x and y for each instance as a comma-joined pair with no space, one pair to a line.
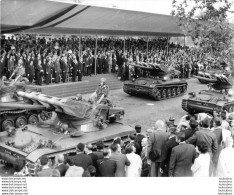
153,155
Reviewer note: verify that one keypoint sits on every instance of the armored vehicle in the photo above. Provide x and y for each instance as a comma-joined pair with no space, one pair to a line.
14,110
73,121
221,68
218,97
155,81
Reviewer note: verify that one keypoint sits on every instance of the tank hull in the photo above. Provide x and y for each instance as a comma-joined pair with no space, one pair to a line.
206,101
156,89
65,144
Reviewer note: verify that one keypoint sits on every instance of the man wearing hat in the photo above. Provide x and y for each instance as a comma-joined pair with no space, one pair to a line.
139,136
182,158
81,159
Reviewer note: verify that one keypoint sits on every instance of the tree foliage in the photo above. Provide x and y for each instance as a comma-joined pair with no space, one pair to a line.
206,21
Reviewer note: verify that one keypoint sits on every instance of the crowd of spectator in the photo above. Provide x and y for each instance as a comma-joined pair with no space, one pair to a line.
64,59
199,145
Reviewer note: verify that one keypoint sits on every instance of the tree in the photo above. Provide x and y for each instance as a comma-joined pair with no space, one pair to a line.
206,21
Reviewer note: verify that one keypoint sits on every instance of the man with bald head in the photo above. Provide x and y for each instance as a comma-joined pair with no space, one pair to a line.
61,166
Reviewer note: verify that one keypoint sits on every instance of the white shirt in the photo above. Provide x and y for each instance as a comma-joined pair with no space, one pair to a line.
134,169
225,166
201,165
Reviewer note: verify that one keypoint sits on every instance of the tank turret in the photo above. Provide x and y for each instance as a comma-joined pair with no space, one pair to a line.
218,97
155,81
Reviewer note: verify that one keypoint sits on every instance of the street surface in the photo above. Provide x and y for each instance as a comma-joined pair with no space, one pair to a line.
142,110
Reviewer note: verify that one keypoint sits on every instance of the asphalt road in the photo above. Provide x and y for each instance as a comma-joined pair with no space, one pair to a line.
141,110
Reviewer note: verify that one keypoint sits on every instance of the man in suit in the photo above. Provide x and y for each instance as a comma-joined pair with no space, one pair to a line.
139,136
156,140
81,159
57,69
61,166
64,67
89,151
106,166
182,158
48,70
121,160
45,171
204,134
166,151
100,147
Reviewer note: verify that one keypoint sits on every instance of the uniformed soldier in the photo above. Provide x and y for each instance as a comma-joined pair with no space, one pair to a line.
20,70
74,66
31,71
64,67
57,69
40,73
48,70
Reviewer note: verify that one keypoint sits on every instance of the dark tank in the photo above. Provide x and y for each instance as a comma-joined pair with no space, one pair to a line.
217,68
157,82
217,98
72,121
14,110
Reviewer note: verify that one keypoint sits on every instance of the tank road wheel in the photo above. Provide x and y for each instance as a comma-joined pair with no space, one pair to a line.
7,123
173,92
169,92
178,91
33,119
156,94
20,122
184,88
164,93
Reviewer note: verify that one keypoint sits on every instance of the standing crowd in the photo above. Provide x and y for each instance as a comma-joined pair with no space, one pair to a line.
61,60
200,146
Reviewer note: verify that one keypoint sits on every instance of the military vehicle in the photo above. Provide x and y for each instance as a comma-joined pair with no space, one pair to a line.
221,68
14,110
73,121
218,97
155,81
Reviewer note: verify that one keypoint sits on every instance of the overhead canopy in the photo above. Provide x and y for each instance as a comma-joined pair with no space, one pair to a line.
27,16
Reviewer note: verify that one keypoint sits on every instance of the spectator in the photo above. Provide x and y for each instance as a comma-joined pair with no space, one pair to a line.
121,160
61,167
55,173
45,171
139,136
182,158
89,151
81,159
193,127
226,160
145,171
100,147
73,170
167,147
201,165
155,143
106,166
20,168
134,169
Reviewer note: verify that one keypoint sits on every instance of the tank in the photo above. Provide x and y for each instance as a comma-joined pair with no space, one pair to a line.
155,81
72,121
14,110
218,97
221,68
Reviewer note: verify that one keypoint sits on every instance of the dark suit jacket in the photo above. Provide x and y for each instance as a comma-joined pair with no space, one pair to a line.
122,161
94,158
45,172
99,154
138,140
166,153
205,135
62,169
182,158
82,160
107,167
156,140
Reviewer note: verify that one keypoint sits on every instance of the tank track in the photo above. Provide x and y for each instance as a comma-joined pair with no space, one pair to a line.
184,105
182,87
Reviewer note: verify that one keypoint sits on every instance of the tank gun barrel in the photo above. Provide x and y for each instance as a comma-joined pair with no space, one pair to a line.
14,81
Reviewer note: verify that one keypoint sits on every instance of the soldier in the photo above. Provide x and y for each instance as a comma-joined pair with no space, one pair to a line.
74,66
57,69
64,67
80,70
48,70
40,73
20,70
31,71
